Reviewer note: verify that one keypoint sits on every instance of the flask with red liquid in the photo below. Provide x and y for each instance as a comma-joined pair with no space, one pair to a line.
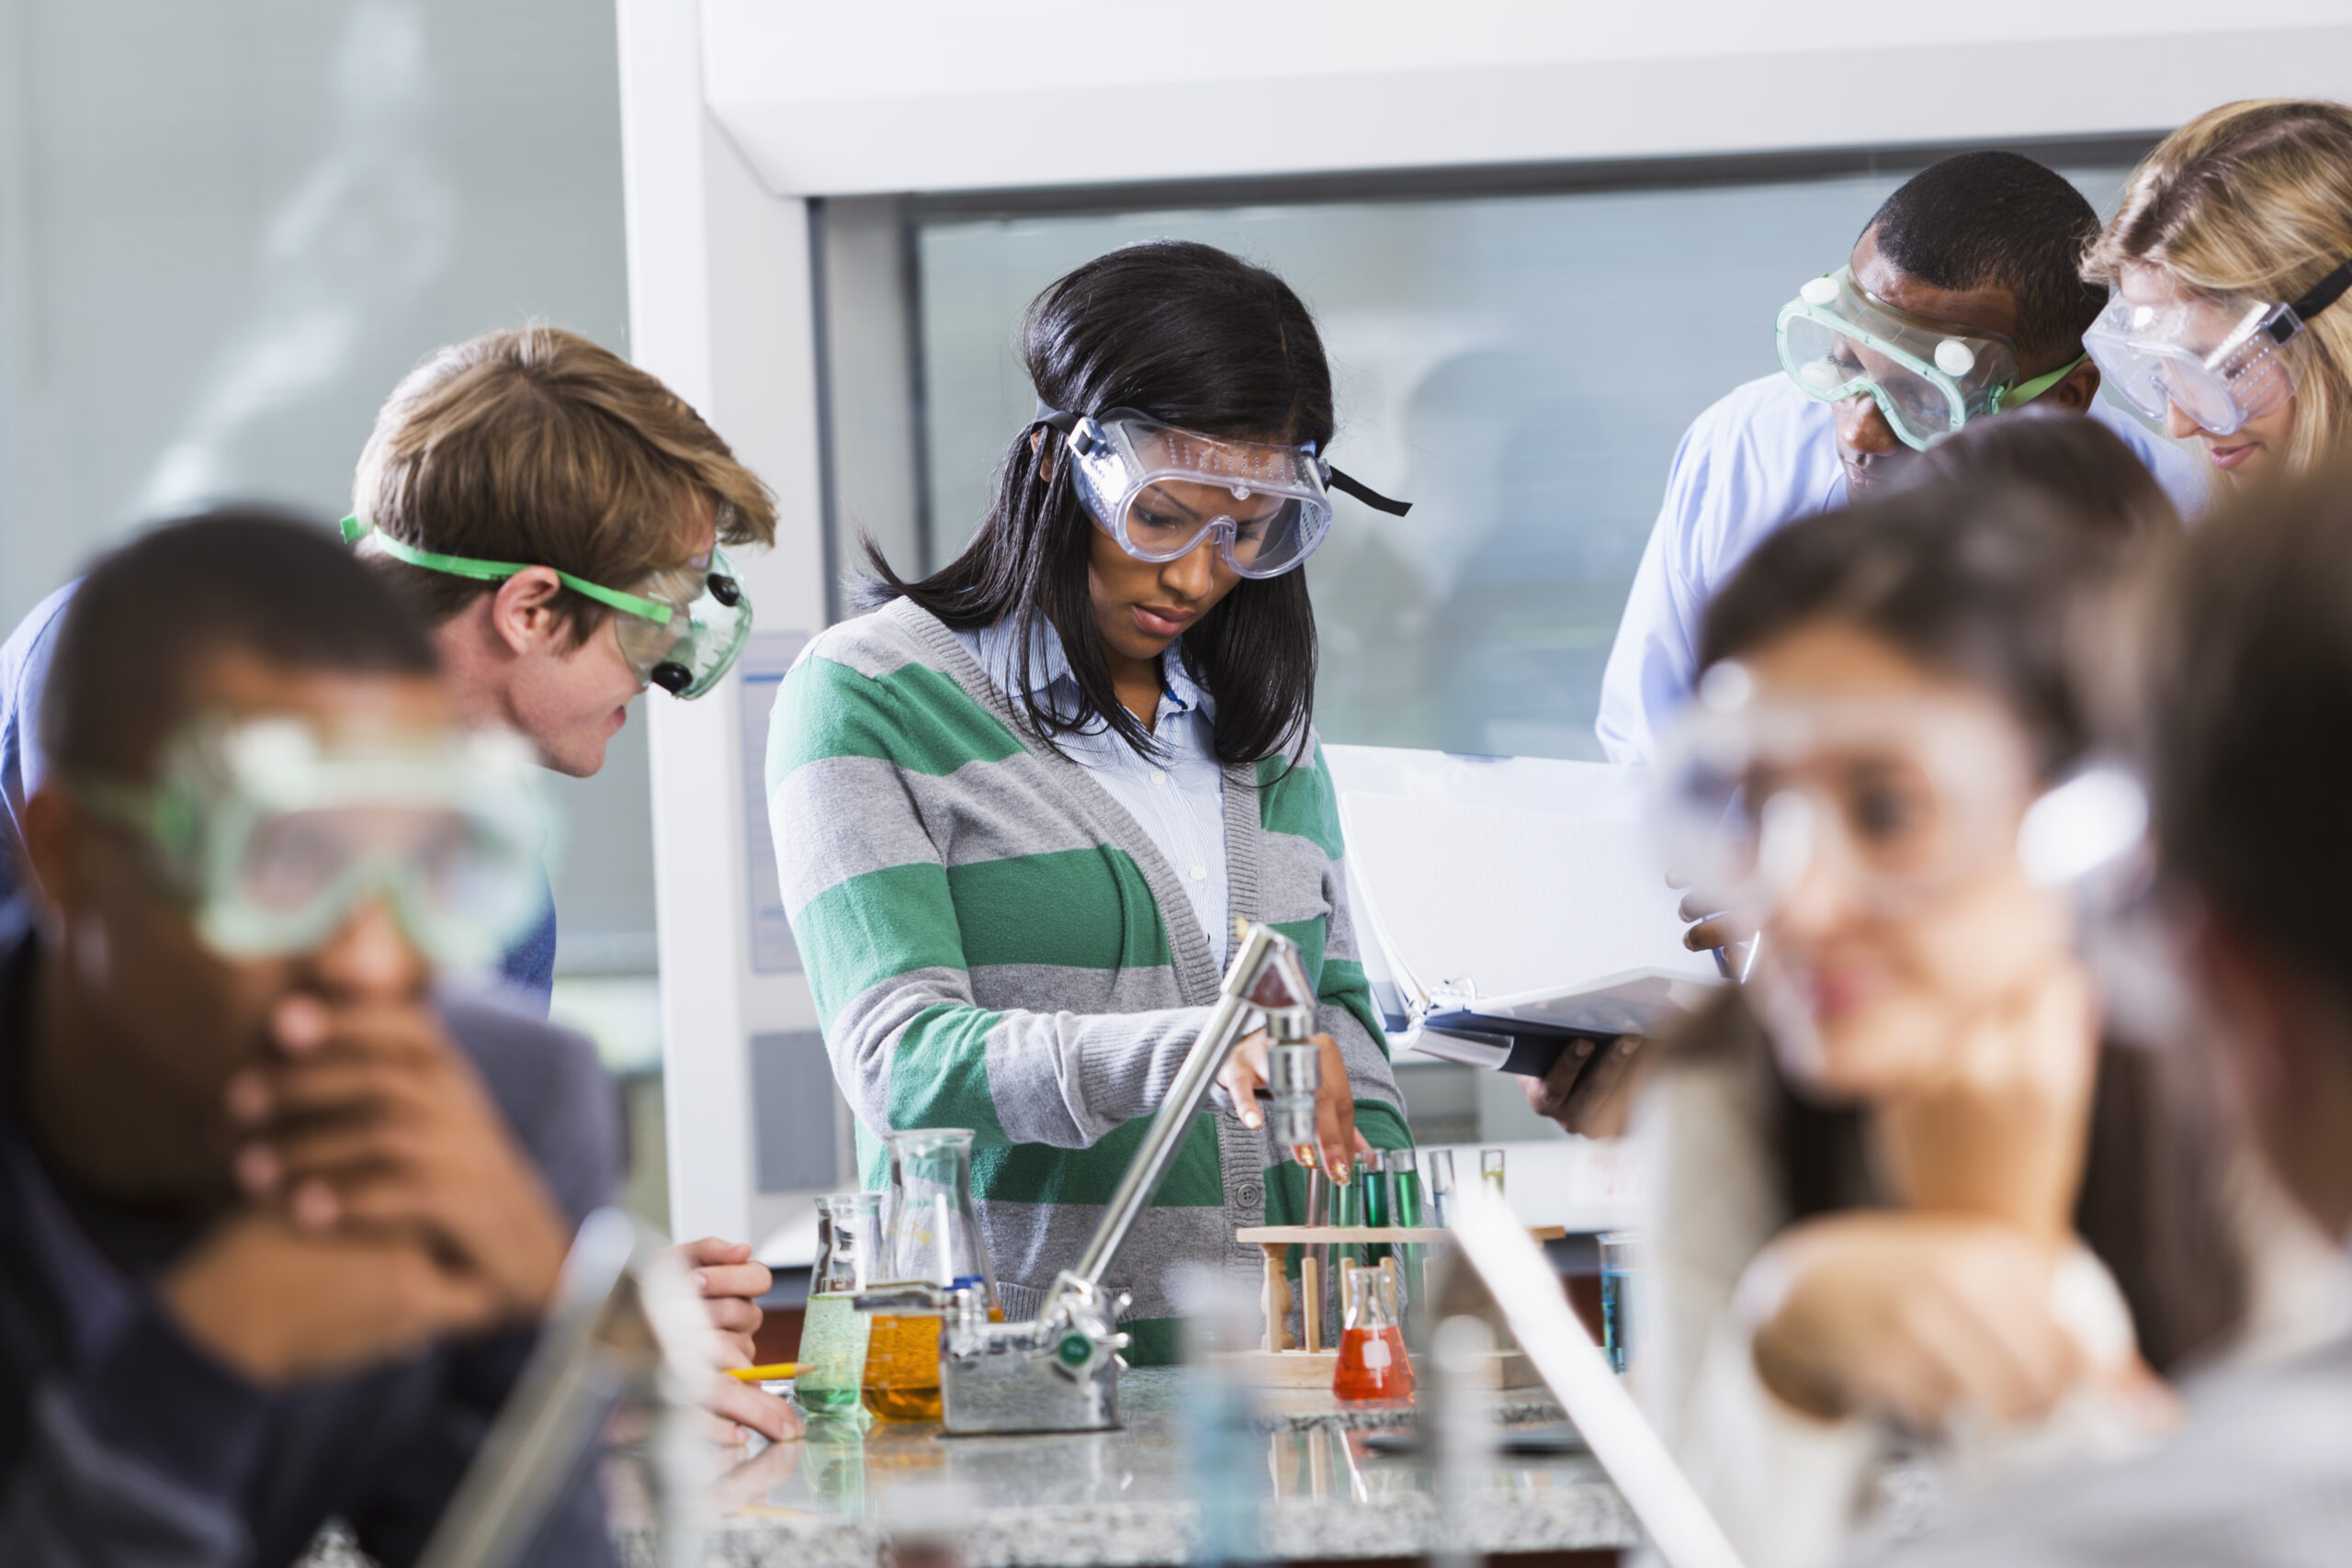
1373,1367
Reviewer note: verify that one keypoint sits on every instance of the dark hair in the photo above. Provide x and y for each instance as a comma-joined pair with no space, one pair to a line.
2251,727
1983,577
149,614
2000,221
1196,338
2077,462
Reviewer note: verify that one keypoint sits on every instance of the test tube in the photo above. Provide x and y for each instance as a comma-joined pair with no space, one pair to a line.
1405,1209
1371,1172
1440,1186
1490,1169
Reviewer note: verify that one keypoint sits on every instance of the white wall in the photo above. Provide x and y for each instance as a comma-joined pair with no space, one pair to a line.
929,95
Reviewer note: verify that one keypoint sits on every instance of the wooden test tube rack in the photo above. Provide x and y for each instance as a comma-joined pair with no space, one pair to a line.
1277,1362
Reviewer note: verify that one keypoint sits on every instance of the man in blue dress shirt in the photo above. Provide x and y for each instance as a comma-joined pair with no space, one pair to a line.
1983,249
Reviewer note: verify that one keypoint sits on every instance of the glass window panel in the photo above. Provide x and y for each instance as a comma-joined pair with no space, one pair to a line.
1520,367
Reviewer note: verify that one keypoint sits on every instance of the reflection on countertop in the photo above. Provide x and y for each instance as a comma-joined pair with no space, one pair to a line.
834,1499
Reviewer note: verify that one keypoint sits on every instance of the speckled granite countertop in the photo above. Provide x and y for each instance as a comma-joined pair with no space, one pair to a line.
832,1500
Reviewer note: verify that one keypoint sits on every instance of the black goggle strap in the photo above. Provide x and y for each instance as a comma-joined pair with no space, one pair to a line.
1066,423
1363,492
2318,298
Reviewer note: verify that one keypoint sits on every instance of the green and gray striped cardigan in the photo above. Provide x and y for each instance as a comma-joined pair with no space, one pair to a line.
995,943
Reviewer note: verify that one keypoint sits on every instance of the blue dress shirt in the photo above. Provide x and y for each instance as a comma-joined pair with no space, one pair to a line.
1763,456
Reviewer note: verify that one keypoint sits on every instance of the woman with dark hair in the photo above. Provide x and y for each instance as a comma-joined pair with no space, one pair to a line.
1907,1192
1018,805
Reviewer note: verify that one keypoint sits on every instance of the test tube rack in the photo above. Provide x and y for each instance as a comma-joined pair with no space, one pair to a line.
1280,1363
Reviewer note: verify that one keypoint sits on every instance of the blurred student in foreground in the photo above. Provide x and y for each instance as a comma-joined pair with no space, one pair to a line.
2251,714
276,1217
1911,1203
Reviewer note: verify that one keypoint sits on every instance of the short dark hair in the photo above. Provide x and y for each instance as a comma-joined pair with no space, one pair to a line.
2000,221
1194,338
2251,720
148,615
1979,577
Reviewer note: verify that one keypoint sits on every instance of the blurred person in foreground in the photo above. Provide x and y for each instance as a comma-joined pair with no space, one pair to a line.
2231,255
278,1215
2089,470
553,515
2250,713
1914,1206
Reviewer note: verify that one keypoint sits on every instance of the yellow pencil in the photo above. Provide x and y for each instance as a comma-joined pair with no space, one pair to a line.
771,1373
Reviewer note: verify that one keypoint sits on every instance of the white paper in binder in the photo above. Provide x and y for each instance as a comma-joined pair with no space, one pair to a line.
1508,914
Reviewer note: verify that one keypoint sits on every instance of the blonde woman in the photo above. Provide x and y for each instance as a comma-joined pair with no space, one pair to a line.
2230,256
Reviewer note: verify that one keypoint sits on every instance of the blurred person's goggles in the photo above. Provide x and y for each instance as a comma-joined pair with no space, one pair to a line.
1838,341
681,633
2224,359
1160,492
272,834
1903,801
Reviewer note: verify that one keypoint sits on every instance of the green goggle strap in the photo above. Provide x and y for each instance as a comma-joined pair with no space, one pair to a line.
651,610
2026,392
161,818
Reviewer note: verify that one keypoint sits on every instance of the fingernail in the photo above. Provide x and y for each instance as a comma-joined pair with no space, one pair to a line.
1584,1047
301,1024
248,1098
701,1280
314,1206
1251,1119
255,1168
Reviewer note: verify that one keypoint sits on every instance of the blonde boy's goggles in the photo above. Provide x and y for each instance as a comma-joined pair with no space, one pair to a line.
2226,360
1122,462
273,834
1836,342
682,637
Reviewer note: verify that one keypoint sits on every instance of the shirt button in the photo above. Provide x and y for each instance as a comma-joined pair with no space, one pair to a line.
1249,1197
1158,780
1200,874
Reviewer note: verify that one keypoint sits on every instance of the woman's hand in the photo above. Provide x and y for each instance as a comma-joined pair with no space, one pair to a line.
1917,1316
1245,1072
2002,1135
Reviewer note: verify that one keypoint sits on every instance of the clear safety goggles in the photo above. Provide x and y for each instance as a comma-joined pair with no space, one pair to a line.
1836,342
2224,359
1160,492
1901,801
682,633
273,834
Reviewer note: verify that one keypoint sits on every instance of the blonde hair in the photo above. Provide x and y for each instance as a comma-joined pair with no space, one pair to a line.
537,447
2253,199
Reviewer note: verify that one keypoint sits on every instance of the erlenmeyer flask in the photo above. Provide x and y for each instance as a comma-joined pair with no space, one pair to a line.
1373,1367
833,1335
932,1236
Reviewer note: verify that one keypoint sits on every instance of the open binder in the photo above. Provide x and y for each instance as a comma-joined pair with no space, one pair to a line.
1514,905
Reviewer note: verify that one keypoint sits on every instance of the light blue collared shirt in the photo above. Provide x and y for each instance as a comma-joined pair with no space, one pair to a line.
1764,456
1176,798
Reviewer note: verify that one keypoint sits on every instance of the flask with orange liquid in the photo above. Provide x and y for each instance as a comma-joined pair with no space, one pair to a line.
1373,1367
933,1236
